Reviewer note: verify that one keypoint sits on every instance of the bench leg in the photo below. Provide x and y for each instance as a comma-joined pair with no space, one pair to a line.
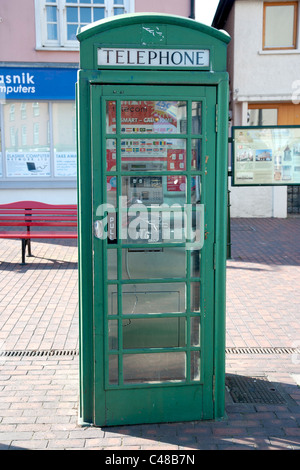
23,250
29,247
24,244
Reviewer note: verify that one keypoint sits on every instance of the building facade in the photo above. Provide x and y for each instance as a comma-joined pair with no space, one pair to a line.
264,69
39,59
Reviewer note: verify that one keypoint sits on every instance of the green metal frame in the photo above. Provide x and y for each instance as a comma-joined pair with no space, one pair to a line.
91,174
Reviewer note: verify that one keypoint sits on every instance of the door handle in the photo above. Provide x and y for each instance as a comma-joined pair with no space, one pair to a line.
98,229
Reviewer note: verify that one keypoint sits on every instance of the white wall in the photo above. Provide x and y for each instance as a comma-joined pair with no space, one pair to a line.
257,76
48,196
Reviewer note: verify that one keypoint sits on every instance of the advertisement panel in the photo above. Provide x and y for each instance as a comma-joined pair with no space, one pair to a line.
263,156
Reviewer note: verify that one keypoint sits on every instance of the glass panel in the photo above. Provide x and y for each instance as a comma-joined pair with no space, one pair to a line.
196,189
85,1
118,11
149,190
99,13
279,26
85,15
112,335
111,155
112,266
154,368
110,117
111,187
161,263
154,225
154,298
33,158
112,299
196,117
154,333
195,296
118,2
72,14
262,117
153,155
113,369
195,331
71,31
195,365
157,117
195,263
64,139
51,14
51,32
196,154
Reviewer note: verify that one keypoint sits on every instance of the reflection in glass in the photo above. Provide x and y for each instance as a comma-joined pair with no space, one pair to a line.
27,139
112,335
196,154
196,117
195,263
196,189
111,188
64,139
154,367
195,296
112,267
153,155
154,333
111,155
113,370
154,263
157,117
112,299
262,117
110,117
154,298
195,331
195,365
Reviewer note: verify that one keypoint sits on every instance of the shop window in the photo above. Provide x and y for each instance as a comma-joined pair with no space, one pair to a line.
280,25
39,145
57,21
262,117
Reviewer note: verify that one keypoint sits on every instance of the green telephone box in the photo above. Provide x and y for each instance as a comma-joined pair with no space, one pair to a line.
152,98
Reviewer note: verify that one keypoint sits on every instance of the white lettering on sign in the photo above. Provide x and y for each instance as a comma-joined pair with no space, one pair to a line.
154,57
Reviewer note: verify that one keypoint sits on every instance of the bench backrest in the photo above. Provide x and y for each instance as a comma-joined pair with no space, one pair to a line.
32,213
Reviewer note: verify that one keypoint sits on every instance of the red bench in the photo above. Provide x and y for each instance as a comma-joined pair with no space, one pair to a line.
24,216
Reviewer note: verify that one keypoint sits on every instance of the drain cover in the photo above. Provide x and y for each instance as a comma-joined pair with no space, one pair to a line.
244,389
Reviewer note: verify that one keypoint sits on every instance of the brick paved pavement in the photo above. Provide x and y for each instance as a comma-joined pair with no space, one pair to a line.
38,310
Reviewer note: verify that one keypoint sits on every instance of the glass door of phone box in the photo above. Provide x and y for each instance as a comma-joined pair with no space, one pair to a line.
153,153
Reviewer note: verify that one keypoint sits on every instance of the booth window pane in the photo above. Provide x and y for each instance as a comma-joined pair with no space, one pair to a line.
27,141
154,367
64,139
162,263
112,335
195,365
112,299
140,333
157,117
196,117
113,369
110,117
153,155
196,154
154,298
111,164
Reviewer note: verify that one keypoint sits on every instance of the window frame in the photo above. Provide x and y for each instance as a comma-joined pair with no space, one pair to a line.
295,32
62,42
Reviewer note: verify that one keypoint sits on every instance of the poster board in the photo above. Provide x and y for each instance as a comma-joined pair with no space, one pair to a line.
265,156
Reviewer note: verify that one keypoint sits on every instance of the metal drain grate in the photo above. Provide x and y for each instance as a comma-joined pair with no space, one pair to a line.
279,350
255,390
41,353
